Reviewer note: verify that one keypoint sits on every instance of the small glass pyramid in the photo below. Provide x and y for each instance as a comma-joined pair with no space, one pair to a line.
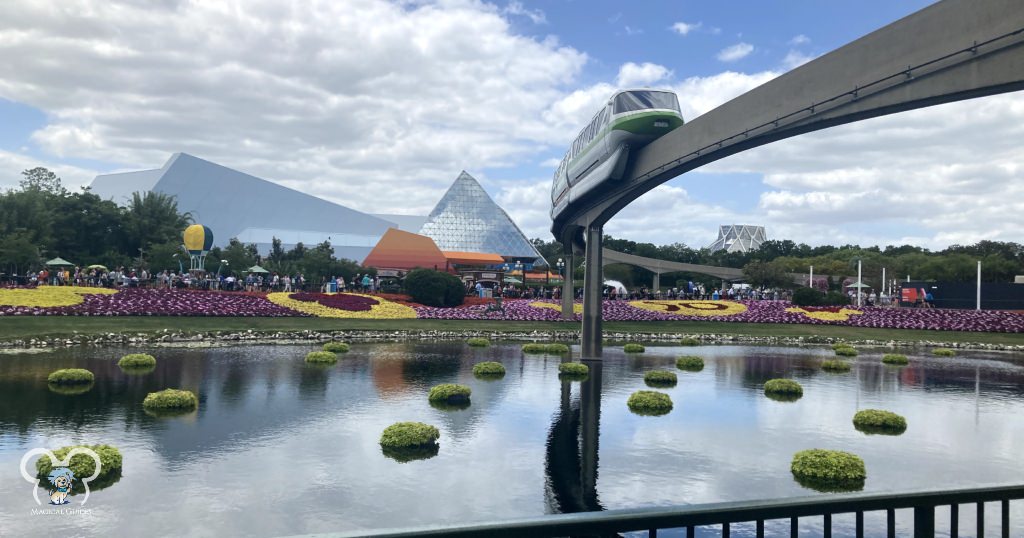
467,220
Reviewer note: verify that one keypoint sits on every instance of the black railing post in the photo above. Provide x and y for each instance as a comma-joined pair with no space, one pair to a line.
860,524
760,528
1006,518
981,519
794,527
890,523
924,522
828,526
954,521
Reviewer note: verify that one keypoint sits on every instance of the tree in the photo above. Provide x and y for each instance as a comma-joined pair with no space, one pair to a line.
152,217
766,275
17,252
40,179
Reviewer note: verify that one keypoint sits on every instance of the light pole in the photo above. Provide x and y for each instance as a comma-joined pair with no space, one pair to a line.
522,275
560,264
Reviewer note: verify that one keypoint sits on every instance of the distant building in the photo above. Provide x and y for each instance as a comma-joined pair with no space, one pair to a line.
738,238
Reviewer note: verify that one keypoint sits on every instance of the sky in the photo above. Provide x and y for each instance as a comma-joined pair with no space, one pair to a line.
378,105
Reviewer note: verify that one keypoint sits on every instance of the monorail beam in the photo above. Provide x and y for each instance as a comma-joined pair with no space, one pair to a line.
592,284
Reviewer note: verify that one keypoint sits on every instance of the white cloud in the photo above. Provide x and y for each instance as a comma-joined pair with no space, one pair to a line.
551,163
12,164
349,102
517,8
632,75
735,52
633,31
799,40
795,58
684,28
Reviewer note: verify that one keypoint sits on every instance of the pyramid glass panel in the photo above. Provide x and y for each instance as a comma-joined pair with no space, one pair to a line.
467,220
738,238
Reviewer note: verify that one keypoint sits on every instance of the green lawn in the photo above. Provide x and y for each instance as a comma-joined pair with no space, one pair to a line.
13,328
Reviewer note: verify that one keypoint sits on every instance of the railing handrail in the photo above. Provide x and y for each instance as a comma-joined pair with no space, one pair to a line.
632,519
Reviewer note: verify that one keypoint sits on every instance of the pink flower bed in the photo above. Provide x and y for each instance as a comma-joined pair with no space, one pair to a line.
341,301
162,302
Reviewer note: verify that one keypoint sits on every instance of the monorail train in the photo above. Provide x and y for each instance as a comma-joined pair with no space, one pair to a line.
629,120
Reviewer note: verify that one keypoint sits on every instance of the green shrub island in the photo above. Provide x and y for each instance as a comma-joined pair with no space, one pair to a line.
689,342
449,393
783,389
633,348
660,378
488,369
553,348
828,470
877,421
836,366
408,441
895,358
943,352
137,361
321,357
649,402
71,376
171,400
83,466
478,342
846,352
336,347
573,369
690,363
434,288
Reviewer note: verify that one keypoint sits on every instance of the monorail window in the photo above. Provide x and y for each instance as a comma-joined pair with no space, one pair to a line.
642,100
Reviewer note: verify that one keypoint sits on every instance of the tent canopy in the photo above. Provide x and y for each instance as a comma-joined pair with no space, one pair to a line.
97,266
857,285
256,269
59,262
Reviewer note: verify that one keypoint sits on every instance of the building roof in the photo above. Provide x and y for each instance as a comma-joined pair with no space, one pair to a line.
738,238
404,250
467,220
473,258
232,202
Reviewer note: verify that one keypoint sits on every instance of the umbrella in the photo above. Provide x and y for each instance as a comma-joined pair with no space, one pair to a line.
97,267
513,280
857,285
256,269
59,262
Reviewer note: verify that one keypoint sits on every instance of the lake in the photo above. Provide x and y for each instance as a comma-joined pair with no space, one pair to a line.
279,447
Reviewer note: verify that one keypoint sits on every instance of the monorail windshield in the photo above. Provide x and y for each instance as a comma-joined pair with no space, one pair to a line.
643,100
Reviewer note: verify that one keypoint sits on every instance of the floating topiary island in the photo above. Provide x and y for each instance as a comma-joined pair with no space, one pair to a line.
633,348
895,358
71,376
660,378
783,389
137,361
449,393
488,369
171,400
877,421
553,348
846,352
478,342
321,357
649,402
943,352
690,363
83,466
336,347
573,369
836,366
689,342
407,441
828,470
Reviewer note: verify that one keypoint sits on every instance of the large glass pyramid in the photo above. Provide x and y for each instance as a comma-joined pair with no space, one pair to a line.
467,220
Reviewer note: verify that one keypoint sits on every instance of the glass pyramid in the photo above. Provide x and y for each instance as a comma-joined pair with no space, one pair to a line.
467,220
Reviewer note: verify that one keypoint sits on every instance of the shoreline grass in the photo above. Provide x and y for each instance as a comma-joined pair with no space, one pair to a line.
23,328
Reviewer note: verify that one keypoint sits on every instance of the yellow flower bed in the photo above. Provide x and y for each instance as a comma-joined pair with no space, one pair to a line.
692,308
49,296
842,314
576,308
384,309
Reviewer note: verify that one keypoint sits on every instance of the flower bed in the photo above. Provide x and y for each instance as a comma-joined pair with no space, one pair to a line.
156,302
342,305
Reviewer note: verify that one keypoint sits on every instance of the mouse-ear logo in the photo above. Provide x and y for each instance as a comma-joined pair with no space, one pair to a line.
61,478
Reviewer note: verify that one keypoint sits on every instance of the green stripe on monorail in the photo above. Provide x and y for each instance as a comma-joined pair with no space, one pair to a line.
640,124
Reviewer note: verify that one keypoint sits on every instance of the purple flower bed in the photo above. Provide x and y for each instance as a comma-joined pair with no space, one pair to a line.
341,301
162,302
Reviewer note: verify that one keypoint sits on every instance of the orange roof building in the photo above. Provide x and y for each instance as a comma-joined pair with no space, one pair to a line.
405,250
472,258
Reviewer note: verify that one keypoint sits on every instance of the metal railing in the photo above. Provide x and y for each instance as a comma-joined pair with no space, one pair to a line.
723,515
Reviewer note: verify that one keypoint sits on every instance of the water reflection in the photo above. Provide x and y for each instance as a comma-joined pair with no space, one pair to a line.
571,459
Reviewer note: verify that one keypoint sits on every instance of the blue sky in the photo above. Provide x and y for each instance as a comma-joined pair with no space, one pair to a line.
358,101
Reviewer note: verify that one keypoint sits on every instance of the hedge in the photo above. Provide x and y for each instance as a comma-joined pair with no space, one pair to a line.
554,348
943,352
137,361
633,348
321,357
488,369
828,470
174,399
71,376
690,363
879,421
449,392
649,402
336,347
434,288
660,378
895,358
836,366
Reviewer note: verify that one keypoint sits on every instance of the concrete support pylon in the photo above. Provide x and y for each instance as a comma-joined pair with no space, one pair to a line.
592,284
568,293
657,284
